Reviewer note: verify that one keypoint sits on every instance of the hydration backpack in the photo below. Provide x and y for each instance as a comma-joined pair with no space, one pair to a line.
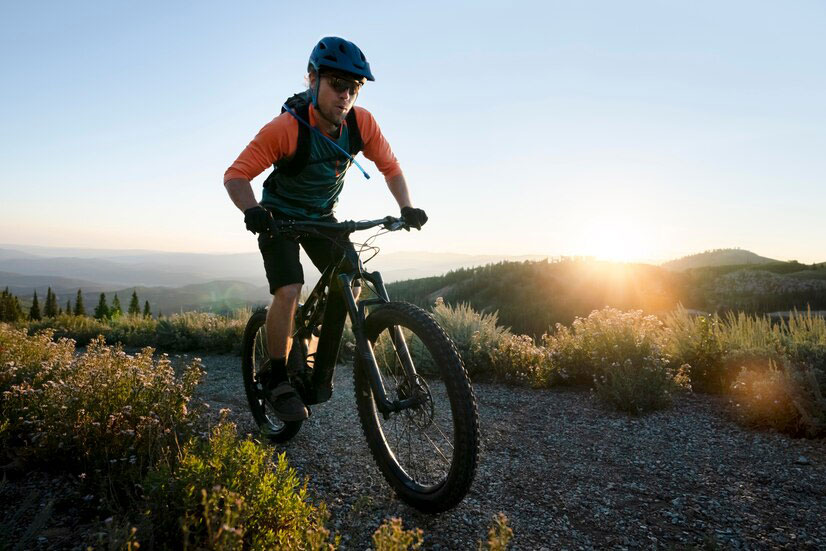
291,166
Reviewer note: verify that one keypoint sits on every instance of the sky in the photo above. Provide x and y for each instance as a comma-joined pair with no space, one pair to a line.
638,130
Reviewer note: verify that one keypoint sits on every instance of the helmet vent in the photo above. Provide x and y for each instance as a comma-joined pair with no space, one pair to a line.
322,46
341,48
331,58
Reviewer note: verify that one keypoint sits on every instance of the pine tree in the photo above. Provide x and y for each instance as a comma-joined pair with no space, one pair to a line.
5,303
34,311
68,310
134,305
147,313
115,311
102,309
80,309
9,307
18,310
50,309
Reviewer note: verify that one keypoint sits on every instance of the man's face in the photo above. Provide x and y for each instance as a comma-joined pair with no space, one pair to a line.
336,96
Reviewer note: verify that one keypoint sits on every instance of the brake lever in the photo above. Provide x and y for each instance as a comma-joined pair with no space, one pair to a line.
393,224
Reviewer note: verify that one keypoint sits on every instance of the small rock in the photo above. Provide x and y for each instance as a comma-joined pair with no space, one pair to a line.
802,460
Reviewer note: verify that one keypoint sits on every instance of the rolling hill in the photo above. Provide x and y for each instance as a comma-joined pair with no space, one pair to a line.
531,297
717,257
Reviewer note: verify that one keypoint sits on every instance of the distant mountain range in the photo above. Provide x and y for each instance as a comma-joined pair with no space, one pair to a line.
172,281
219,282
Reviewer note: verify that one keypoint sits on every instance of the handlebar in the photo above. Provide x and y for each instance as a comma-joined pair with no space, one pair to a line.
390,223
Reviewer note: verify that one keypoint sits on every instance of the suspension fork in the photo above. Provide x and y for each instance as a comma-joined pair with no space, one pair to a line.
364,350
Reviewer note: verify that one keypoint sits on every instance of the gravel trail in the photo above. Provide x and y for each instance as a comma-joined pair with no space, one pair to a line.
569,474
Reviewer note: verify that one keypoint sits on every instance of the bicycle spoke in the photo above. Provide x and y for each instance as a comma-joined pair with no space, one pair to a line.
432,443
425,453
441,432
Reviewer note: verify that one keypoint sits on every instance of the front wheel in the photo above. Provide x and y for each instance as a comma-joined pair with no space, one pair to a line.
253,355
427,453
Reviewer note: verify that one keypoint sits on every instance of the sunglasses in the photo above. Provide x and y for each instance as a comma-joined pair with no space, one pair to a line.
341,84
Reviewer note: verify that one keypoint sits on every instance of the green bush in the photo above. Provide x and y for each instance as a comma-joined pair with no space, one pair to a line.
606,338
519,360
185,332
638,388
103,412
620,354
223,483
787,398
81,329
475,335
696,342
499,535
806,343
31,360
753,336
391,536
202,331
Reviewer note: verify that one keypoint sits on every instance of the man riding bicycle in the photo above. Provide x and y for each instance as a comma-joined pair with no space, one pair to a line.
311,145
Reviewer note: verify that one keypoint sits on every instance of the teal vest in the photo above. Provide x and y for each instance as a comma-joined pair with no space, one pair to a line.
312,193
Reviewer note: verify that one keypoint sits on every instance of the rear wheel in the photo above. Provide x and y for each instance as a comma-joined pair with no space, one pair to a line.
428,453
253,355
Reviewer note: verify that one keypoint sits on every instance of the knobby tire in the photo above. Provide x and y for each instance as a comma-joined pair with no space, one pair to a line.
447,374
253,355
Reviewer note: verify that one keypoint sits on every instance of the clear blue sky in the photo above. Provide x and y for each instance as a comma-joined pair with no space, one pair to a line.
651,129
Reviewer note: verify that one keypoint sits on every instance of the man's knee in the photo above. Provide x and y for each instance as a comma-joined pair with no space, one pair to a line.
287,293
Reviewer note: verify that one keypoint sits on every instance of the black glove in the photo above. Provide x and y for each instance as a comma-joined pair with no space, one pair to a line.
257,219
415,218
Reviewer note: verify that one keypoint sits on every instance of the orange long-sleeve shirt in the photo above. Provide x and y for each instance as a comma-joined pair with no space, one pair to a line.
279,138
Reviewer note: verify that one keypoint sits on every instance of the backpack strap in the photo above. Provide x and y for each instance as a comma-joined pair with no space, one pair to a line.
300,103
353,133
295,164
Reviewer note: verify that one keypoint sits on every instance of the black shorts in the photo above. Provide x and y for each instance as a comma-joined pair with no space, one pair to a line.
281,255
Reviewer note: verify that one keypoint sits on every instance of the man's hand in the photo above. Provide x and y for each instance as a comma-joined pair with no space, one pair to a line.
257,219
415,218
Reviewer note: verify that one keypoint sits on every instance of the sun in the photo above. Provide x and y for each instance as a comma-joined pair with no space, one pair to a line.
616,239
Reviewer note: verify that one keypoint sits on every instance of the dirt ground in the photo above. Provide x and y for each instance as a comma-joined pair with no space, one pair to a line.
567,473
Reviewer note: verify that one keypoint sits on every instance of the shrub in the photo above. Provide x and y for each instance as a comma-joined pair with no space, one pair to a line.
33,360
499,535
475,335
752,336
104,411
605,338
696,342
787,398
202,331
391,536
228,491
81,329
621,354
806,343
185,332
518,359
637,388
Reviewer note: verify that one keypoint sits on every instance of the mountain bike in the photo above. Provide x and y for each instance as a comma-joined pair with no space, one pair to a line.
415,401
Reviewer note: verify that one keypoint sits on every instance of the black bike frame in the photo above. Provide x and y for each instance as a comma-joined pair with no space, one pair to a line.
330,302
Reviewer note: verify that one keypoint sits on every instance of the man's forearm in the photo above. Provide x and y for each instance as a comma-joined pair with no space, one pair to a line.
398,187
240,191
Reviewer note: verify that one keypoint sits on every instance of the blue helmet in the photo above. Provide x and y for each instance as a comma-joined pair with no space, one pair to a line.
333,52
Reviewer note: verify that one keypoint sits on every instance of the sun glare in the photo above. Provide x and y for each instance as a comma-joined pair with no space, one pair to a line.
619,240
